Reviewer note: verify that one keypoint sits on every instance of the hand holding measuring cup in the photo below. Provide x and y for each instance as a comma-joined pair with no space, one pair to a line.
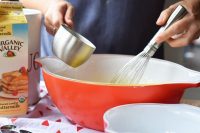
56,13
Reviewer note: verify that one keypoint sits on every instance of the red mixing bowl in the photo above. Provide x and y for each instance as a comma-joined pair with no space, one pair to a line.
84,94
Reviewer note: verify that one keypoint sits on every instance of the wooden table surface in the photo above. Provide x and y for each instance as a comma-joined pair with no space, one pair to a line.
193,102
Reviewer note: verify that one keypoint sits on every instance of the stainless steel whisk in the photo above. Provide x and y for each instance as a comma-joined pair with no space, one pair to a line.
132,72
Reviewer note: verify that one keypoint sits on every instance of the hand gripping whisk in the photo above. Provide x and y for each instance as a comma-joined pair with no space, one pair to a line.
132,72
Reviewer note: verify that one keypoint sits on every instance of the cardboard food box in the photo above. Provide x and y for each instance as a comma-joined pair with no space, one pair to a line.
13,60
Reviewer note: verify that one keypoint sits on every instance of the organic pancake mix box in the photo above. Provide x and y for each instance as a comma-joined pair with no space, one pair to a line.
13,60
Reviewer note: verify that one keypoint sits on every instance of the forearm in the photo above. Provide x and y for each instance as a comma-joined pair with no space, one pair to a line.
41,5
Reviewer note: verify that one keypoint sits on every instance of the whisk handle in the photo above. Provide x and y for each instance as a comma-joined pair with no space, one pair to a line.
177,14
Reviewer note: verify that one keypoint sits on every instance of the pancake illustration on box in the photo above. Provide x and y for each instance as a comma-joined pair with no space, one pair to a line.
14,84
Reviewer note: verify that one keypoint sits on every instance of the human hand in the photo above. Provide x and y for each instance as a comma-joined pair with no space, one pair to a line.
57,13
184,31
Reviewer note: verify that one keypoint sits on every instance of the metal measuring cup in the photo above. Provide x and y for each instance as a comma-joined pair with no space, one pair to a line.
71,47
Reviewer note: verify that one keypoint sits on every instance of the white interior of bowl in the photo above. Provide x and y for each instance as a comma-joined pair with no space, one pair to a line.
153,118
102,67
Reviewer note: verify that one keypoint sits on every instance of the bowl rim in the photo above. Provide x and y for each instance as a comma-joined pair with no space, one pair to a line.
79,37
111,84
119,107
